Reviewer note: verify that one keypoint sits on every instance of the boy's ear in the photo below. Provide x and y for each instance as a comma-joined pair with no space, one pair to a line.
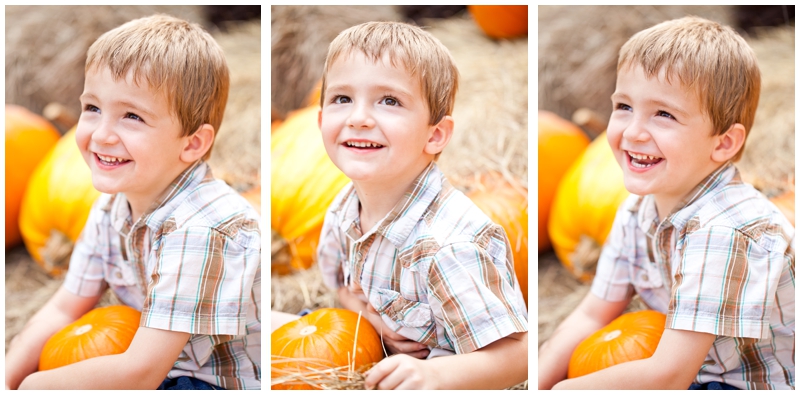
440,135
198,143
319,119
729,143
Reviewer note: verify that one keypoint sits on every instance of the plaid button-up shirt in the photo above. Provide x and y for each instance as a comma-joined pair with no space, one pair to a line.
722,263
436,268
191,264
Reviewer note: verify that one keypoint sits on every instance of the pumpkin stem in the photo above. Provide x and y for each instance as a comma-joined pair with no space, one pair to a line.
585,257
56,252
83,329
612,335
308,330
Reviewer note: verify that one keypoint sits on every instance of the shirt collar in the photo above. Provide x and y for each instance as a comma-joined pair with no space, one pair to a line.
163,206
647,215
397,225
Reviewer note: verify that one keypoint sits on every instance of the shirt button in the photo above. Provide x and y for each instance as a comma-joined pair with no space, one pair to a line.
644,277
118,274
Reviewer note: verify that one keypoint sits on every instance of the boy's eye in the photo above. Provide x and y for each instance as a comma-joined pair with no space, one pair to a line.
623,107
341,100
91,108
133,116
665,114
390,101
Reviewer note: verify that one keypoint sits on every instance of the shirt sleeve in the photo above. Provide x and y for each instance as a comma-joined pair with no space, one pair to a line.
472,294
725,284
201,283
85,274
331,252
612,280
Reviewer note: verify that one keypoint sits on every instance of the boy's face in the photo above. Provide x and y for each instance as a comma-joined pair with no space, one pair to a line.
128,137
660,136
374,120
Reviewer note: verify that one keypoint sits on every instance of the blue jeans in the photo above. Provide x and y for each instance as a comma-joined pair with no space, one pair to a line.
714,385
186,383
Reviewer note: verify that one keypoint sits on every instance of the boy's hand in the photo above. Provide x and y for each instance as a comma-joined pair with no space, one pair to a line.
400,372
22,357
395,343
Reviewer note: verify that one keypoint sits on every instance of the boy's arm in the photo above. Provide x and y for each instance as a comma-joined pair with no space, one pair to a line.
499,365
144,365
591,314
674,365
60,310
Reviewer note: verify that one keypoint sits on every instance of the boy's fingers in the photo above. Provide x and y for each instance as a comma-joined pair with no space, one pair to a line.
376,374
406,346
421,354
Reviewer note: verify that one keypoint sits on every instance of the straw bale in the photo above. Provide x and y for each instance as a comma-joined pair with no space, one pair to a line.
46,48
768,159
300,38
236,156
491,110
27,288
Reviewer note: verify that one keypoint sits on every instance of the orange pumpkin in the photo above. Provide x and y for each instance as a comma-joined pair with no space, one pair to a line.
29,137
303,185
560,143
323,339
102,331
507,206
501,21
59,198
630,337
785,203
585,205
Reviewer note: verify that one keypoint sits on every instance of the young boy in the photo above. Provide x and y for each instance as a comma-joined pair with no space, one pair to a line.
693,241
424,265
165,236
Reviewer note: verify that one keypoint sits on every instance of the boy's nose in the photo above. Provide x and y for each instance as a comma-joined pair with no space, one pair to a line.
104,134
360,118
636,130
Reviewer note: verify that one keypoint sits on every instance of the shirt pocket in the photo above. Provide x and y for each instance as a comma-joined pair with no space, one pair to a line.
119,275
402,312
645,274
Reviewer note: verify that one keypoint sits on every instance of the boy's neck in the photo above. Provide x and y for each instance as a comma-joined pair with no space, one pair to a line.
666,204
379,198
140,203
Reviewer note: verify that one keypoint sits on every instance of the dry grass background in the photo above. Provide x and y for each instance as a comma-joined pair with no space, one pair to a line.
577,62
491,111
45,54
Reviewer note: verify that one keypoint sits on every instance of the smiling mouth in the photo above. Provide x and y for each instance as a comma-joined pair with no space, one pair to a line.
111,160
362,145
643,161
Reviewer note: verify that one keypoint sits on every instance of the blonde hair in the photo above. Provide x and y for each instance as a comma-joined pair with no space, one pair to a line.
711,59
422,54
177,59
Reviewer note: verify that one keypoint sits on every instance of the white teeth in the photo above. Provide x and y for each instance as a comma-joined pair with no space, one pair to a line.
363,144
110,159
641,157
635,158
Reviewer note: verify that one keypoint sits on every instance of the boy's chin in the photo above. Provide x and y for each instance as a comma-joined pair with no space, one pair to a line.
103,187
636,188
